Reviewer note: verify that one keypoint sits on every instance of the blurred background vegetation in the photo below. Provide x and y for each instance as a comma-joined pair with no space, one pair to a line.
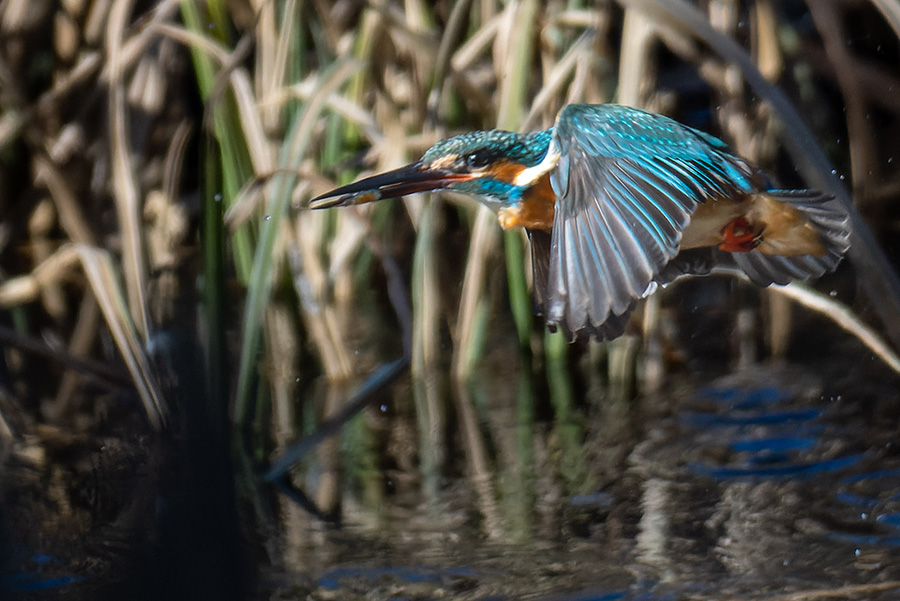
157,265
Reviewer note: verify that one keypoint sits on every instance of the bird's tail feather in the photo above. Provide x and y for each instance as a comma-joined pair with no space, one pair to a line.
827,216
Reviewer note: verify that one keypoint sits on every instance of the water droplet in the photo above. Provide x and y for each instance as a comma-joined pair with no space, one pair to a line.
267,217
217,197
842,177
864,515
834,172
890,159
833,293
383,408
856,552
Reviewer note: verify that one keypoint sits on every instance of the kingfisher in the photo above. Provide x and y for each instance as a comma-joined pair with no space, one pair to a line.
617,201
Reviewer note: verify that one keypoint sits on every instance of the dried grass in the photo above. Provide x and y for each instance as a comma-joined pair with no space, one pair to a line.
345,91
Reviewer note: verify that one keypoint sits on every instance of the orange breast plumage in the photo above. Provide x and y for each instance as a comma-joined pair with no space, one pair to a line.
534,211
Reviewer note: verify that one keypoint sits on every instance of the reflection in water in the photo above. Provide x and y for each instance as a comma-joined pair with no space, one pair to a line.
431,425
520,484
652,541
727,488
478,465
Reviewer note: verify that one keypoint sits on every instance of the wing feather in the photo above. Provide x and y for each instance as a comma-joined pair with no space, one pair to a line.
629,277
626,183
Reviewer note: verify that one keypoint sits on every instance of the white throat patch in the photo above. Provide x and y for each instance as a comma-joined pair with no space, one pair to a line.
530,175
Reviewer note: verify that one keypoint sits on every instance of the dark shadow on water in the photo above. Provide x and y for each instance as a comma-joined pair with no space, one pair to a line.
127,514
200,553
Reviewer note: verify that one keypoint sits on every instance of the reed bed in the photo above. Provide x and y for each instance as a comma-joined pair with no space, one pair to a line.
157,159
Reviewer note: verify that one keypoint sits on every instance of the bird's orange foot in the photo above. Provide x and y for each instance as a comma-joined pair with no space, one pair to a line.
738,237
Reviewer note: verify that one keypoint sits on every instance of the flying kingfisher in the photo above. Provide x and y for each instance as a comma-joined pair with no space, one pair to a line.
617,201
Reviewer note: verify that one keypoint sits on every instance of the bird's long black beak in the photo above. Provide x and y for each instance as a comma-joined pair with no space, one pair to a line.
412,178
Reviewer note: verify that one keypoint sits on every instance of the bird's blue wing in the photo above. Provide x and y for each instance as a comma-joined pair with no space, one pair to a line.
626,184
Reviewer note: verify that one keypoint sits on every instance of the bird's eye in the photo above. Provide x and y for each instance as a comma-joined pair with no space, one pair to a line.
479,158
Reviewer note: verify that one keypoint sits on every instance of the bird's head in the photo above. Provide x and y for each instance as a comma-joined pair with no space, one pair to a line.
488,165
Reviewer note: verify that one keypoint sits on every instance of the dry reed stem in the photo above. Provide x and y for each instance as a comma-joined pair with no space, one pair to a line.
129,50
7,435
125,191
485,236
95,23
312,285
555,80
476,45
269,67
79,345
834,310
259,148
765,43
40,228
337,103
860,135
175,159
27,288
426,312
71,215
636,74
748,136
327,333
101,275
635,60
890,10
844,317
512,50
449,40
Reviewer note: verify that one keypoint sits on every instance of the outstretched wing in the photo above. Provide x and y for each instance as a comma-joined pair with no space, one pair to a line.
626,184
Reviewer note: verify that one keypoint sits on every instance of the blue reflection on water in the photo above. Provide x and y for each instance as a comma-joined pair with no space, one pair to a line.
740,398
756,445
754,419
781,439
35,580
792,469
878,504
619,595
